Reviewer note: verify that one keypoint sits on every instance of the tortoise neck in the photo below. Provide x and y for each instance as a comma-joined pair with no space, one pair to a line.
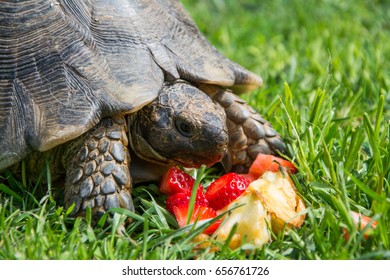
140,146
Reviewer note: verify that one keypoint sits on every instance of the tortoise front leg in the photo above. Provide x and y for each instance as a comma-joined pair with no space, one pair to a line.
249,133
97,174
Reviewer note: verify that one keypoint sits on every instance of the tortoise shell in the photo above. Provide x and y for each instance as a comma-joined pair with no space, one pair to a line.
64,65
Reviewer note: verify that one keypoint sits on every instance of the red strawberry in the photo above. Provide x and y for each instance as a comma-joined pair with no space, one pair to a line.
179,199
199,213
176,181
225,189
271,163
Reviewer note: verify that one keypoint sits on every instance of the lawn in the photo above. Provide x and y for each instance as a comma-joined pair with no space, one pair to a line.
326,71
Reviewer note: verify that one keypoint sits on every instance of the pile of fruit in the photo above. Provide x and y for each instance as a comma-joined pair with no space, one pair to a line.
252,204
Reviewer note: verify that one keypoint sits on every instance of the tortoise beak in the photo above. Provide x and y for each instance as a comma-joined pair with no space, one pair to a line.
208,159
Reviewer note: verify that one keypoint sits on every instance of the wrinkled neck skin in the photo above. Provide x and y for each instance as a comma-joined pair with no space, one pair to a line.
147,165
143,171
140,146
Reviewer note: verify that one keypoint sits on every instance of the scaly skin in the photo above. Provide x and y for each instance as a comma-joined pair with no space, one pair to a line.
98,173
249,133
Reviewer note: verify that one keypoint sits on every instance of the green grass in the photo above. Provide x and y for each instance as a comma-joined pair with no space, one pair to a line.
326,70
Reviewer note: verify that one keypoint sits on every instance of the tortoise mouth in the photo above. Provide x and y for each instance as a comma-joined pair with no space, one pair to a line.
196,161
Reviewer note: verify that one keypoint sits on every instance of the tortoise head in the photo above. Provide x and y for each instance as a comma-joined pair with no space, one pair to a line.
182,126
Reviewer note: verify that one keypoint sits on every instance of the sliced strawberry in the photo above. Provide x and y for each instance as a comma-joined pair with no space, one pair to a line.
213,227
225,189
181,214
199,213
179,199
176,181
271,163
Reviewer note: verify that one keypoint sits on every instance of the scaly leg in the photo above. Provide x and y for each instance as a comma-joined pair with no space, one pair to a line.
97,174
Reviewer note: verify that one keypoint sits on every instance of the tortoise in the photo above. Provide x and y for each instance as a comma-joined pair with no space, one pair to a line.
113,93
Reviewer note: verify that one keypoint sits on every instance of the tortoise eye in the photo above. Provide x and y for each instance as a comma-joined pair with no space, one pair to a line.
184,128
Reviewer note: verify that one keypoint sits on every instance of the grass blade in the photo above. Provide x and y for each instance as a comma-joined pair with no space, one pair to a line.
198,179
368,190
7,190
